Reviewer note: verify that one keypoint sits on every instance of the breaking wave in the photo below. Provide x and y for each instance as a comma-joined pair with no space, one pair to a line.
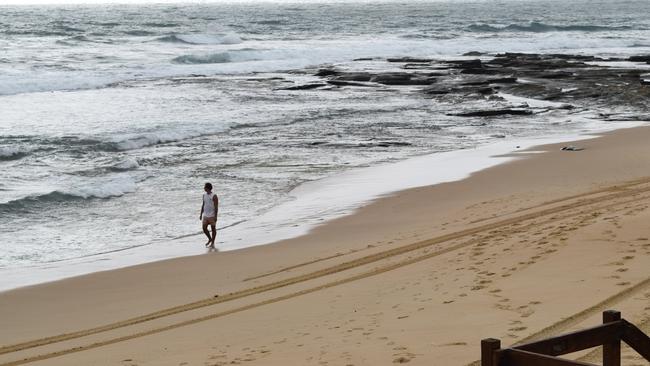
230,38
126,164
12,152
93,188
214,58
138,141
537,27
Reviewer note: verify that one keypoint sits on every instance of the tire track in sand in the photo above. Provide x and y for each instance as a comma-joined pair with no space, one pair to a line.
619,191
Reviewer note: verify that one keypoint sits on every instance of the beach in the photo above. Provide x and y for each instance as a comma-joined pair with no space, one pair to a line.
113,117
535,247
396,181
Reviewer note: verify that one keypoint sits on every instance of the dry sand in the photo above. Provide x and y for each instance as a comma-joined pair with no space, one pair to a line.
524,250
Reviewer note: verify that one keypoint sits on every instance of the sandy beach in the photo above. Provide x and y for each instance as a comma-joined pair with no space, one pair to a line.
520,251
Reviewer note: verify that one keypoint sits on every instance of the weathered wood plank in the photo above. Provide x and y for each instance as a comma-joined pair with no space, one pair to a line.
489,347
612,349
576,341
636,339
516,357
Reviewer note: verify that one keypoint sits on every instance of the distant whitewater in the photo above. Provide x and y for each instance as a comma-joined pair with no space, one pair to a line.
90,47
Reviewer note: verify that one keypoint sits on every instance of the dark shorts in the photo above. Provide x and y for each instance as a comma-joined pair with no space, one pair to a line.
209,220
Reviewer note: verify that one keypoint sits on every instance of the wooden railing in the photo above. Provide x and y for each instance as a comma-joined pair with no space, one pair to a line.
545,352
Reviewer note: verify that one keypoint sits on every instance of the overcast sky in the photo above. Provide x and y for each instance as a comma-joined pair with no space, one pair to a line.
26,2
30,2
18,2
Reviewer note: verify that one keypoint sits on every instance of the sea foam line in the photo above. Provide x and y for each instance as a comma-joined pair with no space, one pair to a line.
310,205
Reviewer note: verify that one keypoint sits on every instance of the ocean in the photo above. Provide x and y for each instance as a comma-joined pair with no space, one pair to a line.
112,117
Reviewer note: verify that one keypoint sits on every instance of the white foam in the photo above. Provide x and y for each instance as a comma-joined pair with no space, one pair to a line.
9,151
202,38
140,140
127,164
621,64
311,204
36,82
214,54
566,90
230,38
114,186
340,195
531,102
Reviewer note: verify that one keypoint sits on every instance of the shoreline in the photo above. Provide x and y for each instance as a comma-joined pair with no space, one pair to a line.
309,206
464,88
541,242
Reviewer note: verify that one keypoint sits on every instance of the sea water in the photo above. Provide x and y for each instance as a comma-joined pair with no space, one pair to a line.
112,117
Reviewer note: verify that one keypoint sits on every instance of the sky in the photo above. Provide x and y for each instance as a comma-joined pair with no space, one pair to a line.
29,2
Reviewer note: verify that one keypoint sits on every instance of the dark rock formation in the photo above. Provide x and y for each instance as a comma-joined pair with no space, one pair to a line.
642,58
327,72
495,112
437,90
568,79
304,87
409,60
470,67
416,66
401,78
504,80
555,75
354,76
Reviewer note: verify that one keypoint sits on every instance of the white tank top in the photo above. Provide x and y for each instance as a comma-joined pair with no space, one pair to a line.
208,205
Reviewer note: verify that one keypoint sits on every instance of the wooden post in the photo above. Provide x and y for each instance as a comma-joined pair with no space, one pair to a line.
488,348
612,351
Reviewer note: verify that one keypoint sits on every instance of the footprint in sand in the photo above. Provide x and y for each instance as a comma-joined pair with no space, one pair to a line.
452,344
528,312
517,329
401,359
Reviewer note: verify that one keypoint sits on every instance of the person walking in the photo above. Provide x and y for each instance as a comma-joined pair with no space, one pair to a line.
209,210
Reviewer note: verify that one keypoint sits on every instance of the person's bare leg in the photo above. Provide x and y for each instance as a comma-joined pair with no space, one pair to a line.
214,234
206,232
